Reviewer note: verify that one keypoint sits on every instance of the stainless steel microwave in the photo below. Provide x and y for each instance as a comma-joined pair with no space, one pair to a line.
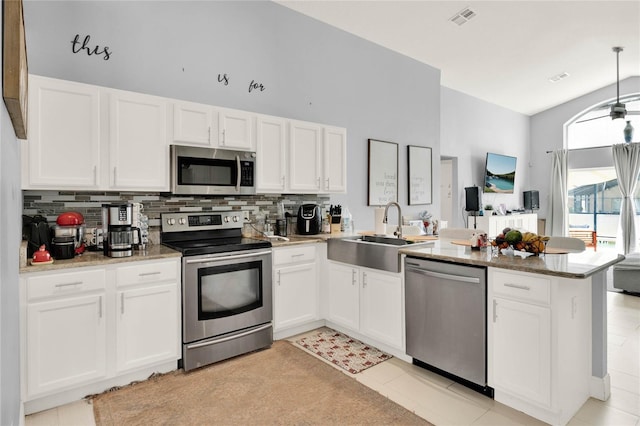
212,171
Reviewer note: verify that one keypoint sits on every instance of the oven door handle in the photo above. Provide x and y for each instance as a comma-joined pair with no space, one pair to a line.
232,257
227,338
239,173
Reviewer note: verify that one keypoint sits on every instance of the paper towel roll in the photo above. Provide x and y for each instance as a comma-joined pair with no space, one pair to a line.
381,228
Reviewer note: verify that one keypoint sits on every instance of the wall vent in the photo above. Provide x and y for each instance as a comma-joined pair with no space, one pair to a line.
463,16
557,78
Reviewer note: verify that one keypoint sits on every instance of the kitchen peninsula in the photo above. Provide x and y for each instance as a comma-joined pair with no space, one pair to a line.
546,320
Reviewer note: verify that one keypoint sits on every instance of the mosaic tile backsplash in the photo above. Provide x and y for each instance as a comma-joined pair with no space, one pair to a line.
51,203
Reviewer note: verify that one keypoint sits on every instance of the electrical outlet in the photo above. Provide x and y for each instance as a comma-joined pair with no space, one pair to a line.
245,215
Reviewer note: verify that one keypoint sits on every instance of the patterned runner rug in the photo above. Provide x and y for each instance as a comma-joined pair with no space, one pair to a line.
341,350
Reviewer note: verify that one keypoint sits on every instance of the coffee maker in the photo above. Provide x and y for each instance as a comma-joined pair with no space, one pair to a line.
118,230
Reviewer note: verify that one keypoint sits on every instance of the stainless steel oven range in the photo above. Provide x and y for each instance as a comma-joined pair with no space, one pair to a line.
226,286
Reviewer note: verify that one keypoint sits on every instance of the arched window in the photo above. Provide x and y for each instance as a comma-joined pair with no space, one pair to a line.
594,197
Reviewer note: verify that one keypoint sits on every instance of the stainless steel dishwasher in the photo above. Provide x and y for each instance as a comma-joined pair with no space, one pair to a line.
446,319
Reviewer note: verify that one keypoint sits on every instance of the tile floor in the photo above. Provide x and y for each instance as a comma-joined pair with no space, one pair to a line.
444,402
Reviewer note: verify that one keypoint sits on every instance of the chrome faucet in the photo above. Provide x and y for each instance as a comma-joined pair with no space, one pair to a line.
398,232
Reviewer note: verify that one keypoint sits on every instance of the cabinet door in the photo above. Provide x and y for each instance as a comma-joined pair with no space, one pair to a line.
335,160
522,350
381,307
295,294
344,295
235,129
193,124
271,152
66,342
139,152
305,141
147,326
63,149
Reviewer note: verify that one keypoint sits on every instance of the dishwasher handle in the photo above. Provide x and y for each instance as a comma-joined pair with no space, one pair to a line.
472,280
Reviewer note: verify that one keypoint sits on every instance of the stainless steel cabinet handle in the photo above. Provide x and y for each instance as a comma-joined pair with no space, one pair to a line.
318,183
495,310
364,279
328,186
69,284
122,303
239,173
100,307
518,286
209,134
283,181
225,258
95,175
353,277
444,276
144,274
115,175
224,137
278,277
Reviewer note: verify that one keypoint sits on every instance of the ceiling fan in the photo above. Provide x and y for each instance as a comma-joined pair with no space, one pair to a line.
618,109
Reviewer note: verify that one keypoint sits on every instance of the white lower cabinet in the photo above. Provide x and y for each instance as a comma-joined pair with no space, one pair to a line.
539,343
295,286
85,327
367,301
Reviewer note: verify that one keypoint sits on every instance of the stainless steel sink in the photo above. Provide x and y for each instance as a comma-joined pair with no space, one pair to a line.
370,251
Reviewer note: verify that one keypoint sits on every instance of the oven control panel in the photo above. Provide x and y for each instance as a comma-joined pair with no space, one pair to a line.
201,221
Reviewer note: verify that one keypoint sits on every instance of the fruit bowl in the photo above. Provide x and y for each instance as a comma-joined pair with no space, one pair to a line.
528,242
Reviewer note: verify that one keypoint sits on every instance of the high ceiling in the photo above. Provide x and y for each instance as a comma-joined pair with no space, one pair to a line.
507,52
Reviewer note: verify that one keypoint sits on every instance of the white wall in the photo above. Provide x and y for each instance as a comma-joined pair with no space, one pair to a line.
548,130
10,236
470,128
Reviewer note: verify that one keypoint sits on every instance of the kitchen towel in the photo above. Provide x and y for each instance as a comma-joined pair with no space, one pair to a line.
381,227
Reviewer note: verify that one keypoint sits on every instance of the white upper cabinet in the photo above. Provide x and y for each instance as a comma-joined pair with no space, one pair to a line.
335,160
271,149
235,129
89,137
139,153
305,147
63,149
195,124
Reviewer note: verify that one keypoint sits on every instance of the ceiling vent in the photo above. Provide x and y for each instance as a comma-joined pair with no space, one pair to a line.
557,78
463,16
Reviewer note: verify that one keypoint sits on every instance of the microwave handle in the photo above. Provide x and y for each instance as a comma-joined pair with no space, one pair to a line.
239,173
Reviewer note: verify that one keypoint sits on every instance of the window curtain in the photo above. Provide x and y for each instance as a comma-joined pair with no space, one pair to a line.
558,216
626,159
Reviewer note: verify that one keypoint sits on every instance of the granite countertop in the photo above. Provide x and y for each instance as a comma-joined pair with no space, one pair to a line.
571,265
96,258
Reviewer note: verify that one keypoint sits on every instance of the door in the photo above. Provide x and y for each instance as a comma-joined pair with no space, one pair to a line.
522,350
193,124
271,155
66,342
381,307
235,130
138,150
334,160
305,144
63,150
446,191
295,295
147,326
344,295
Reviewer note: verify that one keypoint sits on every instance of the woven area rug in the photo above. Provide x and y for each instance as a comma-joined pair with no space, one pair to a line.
283,385
342,350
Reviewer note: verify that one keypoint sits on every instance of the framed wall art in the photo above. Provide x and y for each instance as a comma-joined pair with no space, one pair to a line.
420,175
383,172
14,70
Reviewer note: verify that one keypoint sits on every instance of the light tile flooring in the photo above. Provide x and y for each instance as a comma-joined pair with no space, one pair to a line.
444,402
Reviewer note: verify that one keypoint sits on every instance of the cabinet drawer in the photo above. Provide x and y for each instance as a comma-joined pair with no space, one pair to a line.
294,255
145,273
65,283
521,286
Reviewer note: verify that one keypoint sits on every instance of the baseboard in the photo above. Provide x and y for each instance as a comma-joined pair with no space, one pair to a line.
600,387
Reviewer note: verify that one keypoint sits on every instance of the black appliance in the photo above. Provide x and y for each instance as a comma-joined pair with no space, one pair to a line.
226,286
35,230
309,219
472,199
531,200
